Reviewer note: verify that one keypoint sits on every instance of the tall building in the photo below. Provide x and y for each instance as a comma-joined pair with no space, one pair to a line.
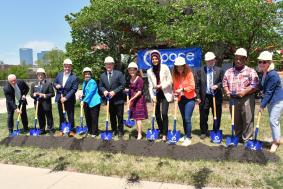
40,56
26,56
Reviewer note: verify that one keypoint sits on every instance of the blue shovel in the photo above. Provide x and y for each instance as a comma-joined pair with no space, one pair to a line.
216,134
173,136
81,129
107,135
152,134
65,126
129,122
255,144
35,131
233,140
17,131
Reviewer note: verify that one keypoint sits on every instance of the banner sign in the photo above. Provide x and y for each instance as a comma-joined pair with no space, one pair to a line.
192,56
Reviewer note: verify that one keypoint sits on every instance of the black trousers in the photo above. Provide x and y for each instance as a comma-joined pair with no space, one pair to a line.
91,116
204,113
45,115
116,114
161,113
70,108
24,119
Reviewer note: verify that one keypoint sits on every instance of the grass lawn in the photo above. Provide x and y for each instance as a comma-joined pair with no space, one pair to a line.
198,173
1,93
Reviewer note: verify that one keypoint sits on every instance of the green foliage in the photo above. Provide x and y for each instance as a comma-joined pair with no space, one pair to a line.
128,25
52,62
21,71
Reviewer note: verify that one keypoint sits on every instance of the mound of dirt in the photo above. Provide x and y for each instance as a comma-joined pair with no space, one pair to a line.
197,151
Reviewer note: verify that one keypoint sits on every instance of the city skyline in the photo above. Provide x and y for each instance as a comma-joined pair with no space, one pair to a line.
39,25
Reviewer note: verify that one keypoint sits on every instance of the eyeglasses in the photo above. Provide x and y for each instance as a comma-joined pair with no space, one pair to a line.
262,62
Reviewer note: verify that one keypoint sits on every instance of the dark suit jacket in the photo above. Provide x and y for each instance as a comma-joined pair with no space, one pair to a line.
10,94
47,89
70,87
201,82
117,85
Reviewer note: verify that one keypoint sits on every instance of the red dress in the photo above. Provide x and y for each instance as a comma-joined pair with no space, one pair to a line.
138,107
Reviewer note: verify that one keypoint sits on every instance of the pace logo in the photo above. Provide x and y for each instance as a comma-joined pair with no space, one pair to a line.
168,57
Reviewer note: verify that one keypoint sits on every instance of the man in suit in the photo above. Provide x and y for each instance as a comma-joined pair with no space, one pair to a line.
15,93
42,90
209,82
66,85
112,84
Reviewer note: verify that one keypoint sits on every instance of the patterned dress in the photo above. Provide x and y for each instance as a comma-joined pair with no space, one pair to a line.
138,107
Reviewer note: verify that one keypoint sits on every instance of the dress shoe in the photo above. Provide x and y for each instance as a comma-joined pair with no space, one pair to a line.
72,134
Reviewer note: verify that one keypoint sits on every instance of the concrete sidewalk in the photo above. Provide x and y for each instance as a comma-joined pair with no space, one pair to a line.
20,177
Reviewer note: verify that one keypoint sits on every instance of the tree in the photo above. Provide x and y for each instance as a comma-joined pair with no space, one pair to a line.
52,62
128,25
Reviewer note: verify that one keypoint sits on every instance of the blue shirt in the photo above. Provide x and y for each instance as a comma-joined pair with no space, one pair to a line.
90,93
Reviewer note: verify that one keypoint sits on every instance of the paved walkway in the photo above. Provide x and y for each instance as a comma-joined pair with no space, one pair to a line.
20,177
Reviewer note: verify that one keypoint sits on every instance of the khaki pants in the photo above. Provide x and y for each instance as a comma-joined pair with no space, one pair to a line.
244,116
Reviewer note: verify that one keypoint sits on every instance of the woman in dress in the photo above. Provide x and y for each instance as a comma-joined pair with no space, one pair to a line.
137,100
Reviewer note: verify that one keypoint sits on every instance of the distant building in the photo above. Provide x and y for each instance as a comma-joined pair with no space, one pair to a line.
26,56
40,56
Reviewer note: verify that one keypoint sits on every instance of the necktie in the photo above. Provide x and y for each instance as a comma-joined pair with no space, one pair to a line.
210,79
109,78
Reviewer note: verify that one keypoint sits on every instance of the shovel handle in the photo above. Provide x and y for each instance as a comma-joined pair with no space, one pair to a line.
19,115
107,109
82,107
175,107
233,112
128,105
153,111
214,108
36,109
258,119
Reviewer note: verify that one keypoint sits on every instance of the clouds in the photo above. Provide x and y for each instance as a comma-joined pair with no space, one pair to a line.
38,46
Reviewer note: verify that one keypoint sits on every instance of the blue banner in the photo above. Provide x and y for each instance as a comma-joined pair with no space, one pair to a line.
193,57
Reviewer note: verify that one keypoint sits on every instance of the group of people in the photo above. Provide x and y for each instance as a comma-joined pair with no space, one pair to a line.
239,83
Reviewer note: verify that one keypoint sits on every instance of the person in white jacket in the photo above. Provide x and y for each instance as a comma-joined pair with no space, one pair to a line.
160,90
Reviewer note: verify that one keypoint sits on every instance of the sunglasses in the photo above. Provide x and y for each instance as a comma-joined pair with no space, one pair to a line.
262,62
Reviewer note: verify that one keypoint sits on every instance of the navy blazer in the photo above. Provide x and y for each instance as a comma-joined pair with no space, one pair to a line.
272,89
117,85
201,82
10,94
69,89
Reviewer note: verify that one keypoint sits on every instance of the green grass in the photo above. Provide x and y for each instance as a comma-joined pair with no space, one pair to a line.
1,93
197,173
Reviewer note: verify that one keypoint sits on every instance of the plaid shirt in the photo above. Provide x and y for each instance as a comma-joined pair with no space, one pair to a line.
236,81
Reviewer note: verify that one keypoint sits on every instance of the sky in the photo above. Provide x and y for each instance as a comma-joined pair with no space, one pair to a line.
36,24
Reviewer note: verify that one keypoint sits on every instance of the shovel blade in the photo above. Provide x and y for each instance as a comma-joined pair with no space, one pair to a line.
232,141
254,145
34,132
216,136
173,136
81,130
152,134
66,128
107,135
15,133
129,123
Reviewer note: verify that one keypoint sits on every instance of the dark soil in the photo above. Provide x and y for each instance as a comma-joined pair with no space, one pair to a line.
197,151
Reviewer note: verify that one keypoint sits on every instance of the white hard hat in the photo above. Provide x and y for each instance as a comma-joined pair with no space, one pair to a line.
241,52
68,61
87,69
133,65
209,56
109,59
180,61
265,55
40,70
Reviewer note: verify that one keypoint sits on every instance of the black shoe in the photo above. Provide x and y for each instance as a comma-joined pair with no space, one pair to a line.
25,131
115,133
